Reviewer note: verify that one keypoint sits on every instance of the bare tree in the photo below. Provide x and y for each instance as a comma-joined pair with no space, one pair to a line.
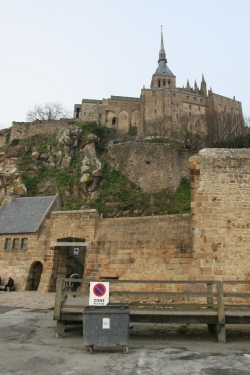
224,129
190,132
157,130
48,111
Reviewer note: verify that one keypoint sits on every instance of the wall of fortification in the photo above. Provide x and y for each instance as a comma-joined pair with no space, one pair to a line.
3,134
152,166
20,130
141,248
220,181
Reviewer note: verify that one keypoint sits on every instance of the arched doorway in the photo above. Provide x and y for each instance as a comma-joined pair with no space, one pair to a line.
34,277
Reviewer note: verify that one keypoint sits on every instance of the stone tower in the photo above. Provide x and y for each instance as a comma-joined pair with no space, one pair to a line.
163,76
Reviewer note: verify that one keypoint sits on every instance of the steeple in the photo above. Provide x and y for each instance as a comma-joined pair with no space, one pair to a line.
162,53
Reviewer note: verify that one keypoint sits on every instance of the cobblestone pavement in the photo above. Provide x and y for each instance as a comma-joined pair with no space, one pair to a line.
28,300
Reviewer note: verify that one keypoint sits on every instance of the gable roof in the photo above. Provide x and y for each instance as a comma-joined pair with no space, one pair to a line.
24,215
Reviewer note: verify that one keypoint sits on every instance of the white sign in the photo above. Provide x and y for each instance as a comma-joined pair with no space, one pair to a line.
105,323
98,294
76,251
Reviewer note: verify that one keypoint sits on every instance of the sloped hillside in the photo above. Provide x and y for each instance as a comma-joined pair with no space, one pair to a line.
72,162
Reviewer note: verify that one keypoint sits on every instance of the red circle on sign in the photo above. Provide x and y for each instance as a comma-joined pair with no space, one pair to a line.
99,290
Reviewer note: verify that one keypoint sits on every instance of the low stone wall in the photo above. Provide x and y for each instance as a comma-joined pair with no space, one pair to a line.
152,166
20,130
154,248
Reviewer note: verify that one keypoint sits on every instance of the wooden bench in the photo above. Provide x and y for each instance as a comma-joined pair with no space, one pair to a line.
215,303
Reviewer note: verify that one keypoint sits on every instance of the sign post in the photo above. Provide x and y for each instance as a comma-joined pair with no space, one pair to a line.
98,294
76,251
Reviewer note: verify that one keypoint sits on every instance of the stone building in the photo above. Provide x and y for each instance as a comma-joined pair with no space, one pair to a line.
38,241
162,101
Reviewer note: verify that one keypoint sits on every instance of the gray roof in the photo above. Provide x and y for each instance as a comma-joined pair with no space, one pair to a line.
163,69
24,215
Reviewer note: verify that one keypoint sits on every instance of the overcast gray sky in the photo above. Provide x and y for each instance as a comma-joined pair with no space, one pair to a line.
66,50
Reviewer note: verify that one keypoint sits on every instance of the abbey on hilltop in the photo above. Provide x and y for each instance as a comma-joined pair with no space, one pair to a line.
162,101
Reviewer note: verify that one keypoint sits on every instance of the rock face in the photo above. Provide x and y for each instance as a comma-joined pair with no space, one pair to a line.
10,178
70,143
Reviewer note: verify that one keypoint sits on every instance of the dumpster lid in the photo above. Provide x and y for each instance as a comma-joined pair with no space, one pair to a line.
108,308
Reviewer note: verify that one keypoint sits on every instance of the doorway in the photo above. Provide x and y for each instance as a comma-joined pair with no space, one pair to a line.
34,277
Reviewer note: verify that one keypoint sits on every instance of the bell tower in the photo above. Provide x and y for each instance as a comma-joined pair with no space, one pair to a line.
163,77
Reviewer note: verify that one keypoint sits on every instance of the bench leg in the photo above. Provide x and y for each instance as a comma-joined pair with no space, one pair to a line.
221,333
60,328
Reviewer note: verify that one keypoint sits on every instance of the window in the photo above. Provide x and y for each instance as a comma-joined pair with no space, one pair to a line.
190,106
7,245
177,105
78,110
24,243
174,94
187,97
201,100
177,115
199,108
169,82
94,108
164,82
189,114
16,244
113,120
84,115
159,83
155,111
153,93
155,101
195,98
90,114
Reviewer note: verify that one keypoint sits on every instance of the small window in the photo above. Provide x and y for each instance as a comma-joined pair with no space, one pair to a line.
7,245
201,100
16,244
187,97
177,106
189,114
153,93
155,101
24,243
174,94
199,108
90,114
190,106
113,120
164,82
177,115
159,83
155,111
169,82
84,115
195,98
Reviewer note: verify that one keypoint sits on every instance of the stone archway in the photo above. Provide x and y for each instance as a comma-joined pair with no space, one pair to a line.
34,277
123,124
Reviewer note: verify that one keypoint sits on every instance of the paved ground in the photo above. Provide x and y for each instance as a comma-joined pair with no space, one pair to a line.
28,346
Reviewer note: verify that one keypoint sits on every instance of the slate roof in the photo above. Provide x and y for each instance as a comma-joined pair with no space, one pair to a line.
163,69
24,215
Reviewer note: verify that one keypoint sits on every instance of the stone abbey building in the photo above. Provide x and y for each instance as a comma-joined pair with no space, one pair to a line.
162,101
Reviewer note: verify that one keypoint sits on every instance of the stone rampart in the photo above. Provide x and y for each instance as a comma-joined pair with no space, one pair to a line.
220,181
152,166
20,130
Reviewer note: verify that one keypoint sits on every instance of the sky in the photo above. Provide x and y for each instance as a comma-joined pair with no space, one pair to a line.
67,50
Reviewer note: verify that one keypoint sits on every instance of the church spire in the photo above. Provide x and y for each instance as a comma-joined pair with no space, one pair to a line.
162,53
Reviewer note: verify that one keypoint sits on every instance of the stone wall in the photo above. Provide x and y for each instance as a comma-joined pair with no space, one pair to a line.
3,134
20,130
146,248
151,166
220,181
